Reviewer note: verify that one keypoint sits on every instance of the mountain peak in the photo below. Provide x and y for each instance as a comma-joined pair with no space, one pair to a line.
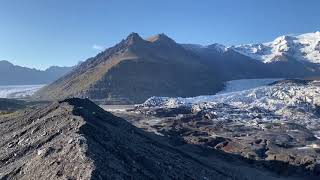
134,35
160,38
218,47
133,38
5,62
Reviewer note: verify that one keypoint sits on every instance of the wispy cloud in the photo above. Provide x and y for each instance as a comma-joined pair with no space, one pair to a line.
97,47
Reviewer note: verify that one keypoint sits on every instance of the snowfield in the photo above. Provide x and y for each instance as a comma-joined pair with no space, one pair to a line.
18,91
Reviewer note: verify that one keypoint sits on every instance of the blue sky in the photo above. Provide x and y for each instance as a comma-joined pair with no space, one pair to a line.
40,33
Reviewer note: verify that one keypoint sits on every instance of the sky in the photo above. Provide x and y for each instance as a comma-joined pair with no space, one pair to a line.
41,33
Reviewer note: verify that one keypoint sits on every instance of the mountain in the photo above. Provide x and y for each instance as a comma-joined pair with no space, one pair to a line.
303,48
16,75
136,69
76,139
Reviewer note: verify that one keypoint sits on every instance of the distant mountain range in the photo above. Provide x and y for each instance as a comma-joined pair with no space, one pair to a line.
136,68
17,75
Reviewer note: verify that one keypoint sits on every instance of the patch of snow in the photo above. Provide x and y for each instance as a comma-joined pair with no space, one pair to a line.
40,152
18,91
310,146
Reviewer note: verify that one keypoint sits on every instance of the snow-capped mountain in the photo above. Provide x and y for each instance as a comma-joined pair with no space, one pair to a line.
303,47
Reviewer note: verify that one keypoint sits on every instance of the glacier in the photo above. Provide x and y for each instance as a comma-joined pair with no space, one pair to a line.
286,100
246,84
18,91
